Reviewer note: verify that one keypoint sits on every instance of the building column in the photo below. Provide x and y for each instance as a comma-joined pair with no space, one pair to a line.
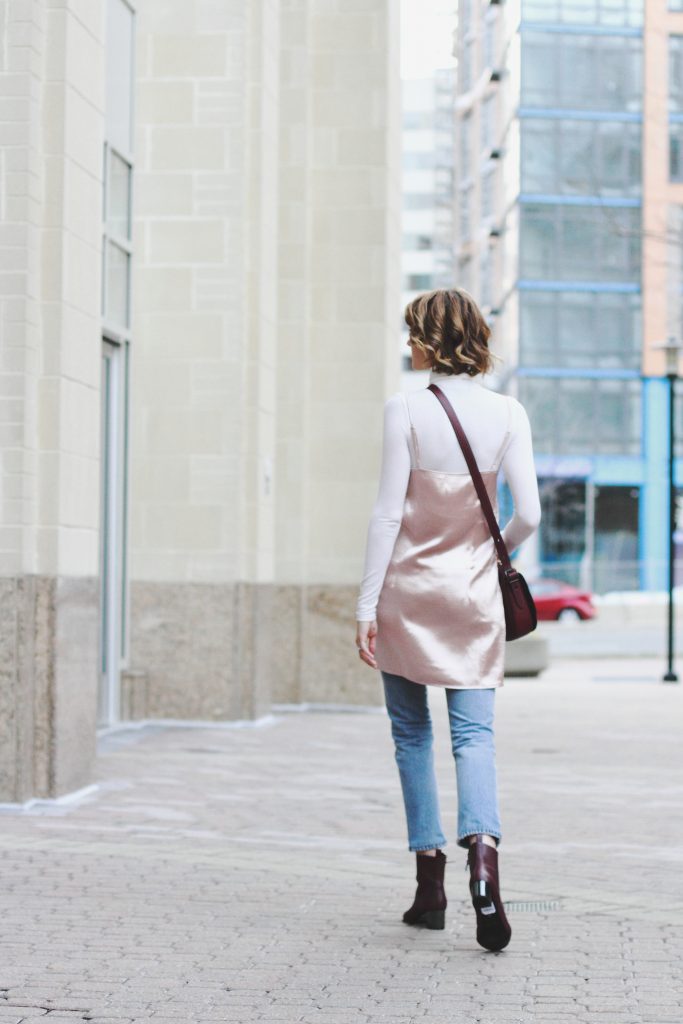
52,167
653,540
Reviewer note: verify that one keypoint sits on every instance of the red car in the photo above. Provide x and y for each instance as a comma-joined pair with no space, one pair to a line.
560,601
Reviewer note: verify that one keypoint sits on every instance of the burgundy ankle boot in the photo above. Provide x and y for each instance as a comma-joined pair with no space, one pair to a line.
429,906
493,928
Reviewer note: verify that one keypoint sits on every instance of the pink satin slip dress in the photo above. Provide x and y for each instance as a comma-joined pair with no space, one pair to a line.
440,618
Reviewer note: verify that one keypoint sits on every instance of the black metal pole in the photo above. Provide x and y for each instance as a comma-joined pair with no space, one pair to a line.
670,676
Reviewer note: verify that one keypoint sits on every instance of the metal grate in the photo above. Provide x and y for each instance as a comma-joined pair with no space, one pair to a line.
532,906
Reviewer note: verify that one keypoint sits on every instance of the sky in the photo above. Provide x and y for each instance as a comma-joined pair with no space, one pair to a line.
426,36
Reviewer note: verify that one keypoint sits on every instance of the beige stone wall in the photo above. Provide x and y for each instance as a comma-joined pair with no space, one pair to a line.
339,296
51,77
266,274
266,305
354,280
51,81
266,286
204,292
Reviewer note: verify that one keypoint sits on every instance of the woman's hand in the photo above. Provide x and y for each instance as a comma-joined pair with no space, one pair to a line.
365,642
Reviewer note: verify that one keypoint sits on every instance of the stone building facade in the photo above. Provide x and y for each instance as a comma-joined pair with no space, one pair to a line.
199,285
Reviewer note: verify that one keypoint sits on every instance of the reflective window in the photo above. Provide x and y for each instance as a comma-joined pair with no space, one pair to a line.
586,72
489,38
116,285
417,241
465,128
678,422
465,274
416,120
571,157
587,12
465,15
464,212
675,152
485,283
418,282
418,201
465,66
676,73
118,168
488,186
418,161
119,75
488,123
580,330
583,243
579,416
118,196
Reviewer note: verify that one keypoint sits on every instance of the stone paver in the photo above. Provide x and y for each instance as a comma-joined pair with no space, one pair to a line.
260,873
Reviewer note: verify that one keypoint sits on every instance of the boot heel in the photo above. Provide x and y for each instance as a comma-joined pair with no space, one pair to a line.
481,898
435,919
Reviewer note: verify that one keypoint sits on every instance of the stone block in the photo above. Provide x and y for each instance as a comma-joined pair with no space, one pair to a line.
48,685
526,656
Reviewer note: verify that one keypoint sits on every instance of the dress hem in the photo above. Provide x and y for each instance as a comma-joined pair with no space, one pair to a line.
442,685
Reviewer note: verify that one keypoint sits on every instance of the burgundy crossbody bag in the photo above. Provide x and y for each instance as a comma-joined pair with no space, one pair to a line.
520,610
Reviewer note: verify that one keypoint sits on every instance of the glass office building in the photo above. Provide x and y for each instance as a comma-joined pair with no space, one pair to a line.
575,261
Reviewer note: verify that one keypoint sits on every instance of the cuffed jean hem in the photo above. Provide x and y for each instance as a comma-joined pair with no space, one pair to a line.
478,830
437,845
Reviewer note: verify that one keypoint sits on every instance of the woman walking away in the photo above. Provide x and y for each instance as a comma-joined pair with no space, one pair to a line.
430,610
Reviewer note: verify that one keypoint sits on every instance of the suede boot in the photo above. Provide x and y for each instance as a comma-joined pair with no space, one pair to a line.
429,906
493,928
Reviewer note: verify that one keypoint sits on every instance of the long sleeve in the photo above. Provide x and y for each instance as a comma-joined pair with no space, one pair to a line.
520,473
387,512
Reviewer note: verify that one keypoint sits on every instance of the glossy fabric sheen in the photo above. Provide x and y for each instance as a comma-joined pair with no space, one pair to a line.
440,616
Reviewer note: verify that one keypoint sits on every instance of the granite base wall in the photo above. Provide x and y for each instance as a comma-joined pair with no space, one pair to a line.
198,651
48,685
212,651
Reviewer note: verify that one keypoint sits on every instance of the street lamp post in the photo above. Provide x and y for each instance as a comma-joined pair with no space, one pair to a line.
672,349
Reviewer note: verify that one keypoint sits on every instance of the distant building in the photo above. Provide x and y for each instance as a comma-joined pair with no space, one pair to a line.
427,221
569,231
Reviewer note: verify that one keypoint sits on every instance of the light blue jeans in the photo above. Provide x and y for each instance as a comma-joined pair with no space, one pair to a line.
470,714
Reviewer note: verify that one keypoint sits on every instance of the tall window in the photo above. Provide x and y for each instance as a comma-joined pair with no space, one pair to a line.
582,416
465,149
582,71
118,168
566,156
489,38
580,242
116,320
488,187
465,65
464,213
676,73
487,113
615,13
580,329
675,105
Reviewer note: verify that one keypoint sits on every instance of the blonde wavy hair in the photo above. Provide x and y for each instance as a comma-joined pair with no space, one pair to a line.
449,328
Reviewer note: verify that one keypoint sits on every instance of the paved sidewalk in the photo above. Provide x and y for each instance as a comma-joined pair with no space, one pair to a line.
260,873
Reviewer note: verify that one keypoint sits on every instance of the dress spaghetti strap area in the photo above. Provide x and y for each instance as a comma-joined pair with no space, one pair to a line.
440,618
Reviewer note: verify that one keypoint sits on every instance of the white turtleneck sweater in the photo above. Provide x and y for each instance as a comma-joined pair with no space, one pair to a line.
484,417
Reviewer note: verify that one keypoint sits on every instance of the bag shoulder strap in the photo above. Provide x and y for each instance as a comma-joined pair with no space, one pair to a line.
503,556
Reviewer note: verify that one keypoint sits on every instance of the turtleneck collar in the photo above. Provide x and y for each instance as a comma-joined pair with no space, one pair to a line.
451,378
